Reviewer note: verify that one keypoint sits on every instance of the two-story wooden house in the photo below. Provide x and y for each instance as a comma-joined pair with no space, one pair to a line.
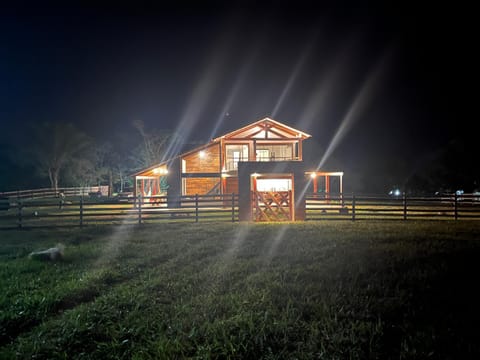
213,168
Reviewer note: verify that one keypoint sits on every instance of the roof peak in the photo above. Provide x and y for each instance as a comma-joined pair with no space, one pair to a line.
285,130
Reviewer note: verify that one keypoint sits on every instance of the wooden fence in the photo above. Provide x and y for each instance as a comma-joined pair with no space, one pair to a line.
49,192
81,211
364,207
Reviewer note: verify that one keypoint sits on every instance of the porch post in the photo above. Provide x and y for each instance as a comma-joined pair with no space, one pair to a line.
327,187
341,189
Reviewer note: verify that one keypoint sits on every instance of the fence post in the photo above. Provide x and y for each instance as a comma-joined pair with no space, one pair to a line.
456,206
140,209
404,206
353,207
81,211
196,208
19,214
233,207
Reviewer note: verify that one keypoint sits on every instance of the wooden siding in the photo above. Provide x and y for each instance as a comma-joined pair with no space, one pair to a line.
209,162
231,185
200,186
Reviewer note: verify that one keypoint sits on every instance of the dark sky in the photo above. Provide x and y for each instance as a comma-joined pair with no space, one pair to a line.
374,84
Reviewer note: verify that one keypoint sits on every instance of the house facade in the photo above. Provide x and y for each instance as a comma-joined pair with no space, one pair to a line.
213,168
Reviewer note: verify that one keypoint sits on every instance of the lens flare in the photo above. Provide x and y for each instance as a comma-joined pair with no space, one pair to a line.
202,93
239,81
327,88
300,64
356,109
276,241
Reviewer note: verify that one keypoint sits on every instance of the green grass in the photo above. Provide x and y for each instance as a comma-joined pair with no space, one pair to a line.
329,290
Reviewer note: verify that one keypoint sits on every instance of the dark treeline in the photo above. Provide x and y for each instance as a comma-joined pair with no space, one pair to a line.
54,154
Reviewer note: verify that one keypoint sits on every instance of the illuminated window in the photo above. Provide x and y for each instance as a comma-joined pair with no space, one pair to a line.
274,184
235,153
263,155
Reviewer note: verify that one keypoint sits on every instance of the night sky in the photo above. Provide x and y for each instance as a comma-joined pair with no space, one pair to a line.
379,87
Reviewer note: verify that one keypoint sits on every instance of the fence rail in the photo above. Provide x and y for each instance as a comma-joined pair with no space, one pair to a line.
49,192
81,210
362,207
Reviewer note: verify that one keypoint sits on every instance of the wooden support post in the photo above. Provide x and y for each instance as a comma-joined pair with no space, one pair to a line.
196,208
327,188
224,185
20,215
81,211
353,207
140,200
233,207
341,190
404,206
456,207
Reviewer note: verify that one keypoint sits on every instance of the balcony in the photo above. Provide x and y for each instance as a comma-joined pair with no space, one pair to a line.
232,163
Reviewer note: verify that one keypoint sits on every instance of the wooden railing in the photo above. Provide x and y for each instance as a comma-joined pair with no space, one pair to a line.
374,207
82,211
49,192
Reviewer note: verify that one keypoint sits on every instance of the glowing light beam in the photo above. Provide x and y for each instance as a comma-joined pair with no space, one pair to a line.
293,77
327,87
357,107
239,81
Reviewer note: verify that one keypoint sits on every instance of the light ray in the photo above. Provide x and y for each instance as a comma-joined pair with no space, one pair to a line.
326,89
239,82
277,240
300,64
356,109
358,106
202,93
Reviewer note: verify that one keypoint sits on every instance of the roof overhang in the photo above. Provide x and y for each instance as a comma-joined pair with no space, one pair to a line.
266,129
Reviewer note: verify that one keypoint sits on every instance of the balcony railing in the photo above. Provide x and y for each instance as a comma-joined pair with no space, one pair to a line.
232,164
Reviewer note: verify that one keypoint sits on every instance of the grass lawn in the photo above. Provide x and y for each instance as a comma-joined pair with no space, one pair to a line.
328,290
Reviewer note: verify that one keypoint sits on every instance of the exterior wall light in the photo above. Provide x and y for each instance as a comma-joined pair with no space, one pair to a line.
160,171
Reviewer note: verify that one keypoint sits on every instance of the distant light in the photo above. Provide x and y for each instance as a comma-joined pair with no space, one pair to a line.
255,175
313,175
395,192
201,154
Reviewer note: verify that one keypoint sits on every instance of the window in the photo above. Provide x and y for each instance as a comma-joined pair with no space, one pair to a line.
263,155
234,154
267,152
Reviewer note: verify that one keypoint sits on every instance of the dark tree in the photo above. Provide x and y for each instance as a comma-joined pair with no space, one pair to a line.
154,145
53,146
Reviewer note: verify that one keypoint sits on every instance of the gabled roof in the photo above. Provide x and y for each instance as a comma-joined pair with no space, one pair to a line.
262,129
149,170
265,129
